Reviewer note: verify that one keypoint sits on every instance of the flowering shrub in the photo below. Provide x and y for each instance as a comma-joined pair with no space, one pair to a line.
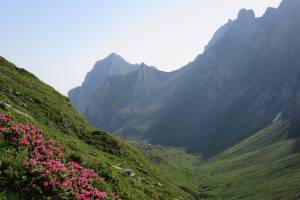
48,171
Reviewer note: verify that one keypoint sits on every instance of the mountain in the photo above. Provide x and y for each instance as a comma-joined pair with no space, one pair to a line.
25,99
246,77
102,105
118,92
112,65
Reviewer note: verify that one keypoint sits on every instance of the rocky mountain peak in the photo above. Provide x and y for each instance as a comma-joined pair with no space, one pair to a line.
114,56
144,67
246,15
289,4
112,65
269,12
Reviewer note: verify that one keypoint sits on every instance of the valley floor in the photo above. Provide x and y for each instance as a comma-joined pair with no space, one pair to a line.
265,166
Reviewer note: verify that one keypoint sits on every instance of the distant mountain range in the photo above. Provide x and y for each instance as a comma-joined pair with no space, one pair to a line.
247,78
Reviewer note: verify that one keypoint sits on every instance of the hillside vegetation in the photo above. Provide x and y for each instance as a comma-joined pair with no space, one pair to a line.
27,100
263,166
177,166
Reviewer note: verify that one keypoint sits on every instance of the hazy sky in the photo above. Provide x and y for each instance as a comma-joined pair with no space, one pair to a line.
59,40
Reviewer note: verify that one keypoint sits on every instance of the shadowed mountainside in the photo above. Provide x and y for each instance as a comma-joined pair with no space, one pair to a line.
247,75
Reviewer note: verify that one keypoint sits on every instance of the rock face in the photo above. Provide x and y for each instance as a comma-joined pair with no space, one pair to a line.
115,103
246,15
248,74
110,66
111,87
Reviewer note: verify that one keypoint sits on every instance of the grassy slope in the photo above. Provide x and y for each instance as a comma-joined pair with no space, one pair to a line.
29,100
264,166
177,166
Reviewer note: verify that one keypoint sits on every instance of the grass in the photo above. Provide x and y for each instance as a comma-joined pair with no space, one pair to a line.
263,166
177,166
28,100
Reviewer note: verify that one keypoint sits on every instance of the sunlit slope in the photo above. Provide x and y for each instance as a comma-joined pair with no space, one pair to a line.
28,100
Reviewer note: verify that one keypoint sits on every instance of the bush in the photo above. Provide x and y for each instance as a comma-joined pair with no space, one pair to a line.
42,168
